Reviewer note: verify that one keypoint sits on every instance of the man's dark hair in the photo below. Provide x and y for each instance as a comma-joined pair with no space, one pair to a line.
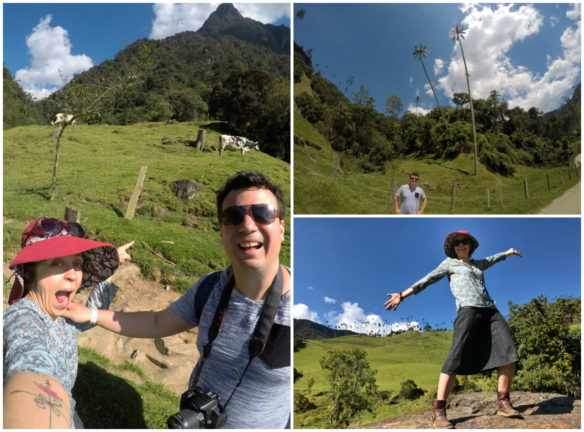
415,174
251,179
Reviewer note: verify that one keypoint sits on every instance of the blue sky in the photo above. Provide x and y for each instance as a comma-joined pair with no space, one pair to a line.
529,53
45,44
344,267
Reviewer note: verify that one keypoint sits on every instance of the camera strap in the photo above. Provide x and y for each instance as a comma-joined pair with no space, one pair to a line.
262,329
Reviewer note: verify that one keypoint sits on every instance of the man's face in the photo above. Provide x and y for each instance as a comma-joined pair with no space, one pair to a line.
414,180
251,244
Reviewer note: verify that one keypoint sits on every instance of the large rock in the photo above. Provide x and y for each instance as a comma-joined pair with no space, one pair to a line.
185,189
479,411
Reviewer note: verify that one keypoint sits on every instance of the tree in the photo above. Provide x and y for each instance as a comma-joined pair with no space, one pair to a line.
420,52
393,105
352,384
84,103
549,349
363,98
458,33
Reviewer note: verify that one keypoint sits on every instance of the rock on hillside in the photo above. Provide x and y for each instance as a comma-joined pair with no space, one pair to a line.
479,411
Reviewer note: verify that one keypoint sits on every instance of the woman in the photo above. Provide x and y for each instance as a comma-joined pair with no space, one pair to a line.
481,340
40,346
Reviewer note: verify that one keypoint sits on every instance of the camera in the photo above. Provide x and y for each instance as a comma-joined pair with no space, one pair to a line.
198,410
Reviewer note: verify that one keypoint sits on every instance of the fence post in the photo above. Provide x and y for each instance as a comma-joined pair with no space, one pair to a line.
501,194
488,198
525,188
561,177
453,197
201,139
570,171
392,194
549,183
136,193
72,214
334,173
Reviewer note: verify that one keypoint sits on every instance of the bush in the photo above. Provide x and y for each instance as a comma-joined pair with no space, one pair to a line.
302,403
352,384
549,352
410,391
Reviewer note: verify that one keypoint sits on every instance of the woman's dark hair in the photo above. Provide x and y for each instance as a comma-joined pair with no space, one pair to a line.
28,276
251,179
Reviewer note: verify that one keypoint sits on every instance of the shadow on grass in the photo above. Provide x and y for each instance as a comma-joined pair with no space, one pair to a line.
105,401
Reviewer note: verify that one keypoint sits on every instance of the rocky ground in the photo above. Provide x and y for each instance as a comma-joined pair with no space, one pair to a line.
479,411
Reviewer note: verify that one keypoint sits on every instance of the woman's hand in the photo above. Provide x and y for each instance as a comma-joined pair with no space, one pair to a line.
393,302
122,254
77,313
513,252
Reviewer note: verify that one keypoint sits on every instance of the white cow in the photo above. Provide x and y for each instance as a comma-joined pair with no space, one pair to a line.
577,160
236,143
63,118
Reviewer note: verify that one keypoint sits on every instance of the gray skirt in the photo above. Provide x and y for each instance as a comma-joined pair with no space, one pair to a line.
481,342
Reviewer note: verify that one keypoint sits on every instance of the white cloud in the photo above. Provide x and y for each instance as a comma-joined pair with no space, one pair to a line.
554,20
417,109
175,18
52,64
329,300
574,13
492,30
438,66
354,318
301,311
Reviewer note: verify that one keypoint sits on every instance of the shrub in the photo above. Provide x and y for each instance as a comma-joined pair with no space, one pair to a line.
410,391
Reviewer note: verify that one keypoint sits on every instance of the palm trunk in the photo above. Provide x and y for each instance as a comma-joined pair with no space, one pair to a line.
474,130
435,97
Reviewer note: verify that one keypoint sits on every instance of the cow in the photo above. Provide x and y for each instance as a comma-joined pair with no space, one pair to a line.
577,160
236,143
61,118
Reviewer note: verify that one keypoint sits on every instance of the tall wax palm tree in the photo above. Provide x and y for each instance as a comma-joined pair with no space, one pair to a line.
420,52
457,33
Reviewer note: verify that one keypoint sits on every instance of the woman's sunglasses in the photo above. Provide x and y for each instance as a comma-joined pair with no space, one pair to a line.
49,227
262,214
463,241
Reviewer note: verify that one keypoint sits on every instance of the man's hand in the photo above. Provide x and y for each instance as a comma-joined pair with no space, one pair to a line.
77,313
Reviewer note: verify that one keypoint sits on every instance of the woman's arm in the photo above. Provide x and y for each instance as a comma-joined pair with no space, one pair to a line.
35,401
133,324
396,299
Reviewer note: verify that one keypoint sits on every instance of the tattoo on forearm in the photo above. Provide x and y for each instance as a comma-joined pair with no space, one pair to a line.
46,399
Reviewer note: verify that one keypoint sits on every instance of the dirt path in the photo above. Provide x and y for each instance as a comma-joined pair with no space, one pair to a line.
569,203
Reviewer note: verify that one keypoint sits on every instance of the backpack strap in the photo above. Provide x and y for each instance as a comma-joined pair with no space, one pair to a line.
204,291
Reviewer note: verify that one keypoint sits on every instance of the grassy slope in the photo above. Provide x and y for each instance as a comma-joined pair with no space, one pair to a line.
97,171
357,193
410,355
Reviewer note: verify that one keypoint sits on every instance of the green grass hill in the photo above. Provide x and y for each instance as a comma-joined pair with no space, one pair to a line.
176,241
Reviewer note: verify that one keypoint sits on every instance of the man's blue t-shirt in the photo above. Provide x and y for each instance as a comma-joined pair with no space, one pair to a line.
262,401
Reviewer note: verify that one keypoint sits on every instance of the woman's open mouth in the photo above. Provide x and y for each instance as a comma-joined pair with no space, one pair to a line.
63,298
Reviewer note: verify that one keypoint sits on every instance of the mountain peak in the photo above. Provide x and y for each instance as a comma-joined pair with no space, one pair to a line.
227,20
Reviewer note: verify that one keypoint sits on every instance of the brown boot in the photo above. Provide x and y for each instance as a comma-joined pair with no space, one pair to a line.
439,420
504,407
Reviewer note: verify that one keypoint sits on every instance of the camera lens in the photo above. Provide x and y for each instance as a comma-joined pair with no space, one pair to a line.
185,419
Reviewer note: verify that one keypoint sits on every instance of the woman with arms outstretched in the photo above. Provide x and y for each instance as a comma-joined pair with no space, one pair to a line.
481,339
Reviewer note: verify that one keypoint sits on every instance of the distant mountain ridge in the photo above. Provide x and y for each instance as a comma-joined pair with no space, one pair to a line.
314,331
227,20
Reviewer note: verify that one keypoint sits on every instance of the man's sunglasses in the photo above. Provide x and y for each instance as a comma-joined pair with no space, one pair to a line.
414,178
262,214
463,241
49,227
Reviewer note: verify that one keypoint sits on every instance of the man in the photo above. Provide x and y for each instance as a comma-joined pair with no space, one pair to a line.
411,194
251,212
